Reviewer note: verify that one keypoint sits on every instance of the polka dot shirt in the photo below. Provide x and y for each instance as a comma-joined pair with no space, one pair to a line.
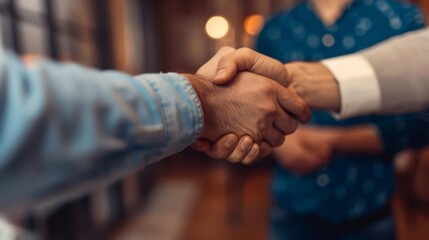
351,186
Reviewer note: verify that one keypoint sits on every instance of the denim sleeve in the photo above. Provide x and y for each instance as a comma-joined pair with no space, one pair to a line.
404,131
63,124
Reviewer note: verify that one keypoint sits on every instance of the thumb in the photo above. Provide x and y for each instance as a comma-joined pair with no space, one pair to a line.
293,104
209,68
201,145
225,73
245,59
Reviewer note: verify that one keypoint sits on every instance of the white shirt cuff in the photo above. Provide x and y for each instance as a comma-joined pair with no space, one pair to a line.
358,83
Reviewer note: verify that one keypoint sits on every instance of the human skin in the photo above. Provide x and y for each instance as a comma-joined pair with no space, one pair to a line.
251,105
311,81
311,148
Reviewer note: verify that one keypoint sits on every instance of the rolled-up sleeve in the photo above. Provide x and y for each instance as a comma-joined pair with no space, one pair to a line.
63,123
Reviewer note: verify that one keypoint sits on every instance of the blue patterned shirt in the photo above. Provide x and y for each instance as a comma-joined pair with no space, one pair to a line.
351,186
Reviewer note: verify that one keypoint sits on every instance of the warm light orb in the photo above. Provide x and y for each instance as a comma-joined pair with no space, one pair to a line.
217,27
253,24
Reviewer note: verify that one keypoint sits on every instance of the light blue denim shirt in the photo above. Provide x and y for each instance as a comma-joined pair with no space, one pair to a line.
62,125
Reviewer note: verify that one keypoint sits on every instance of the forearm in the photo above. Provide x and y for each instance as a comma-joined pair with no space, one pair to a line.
362,139
73,124
388,78
402,69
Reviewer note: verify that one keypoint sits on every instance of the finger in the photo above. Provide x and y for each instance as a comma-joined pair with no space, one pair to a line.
294,105
405,162
318,148
285,123
245,59
274,137
209,68
252,155
305,163
241,150
305,166
223,147
201,145
265,149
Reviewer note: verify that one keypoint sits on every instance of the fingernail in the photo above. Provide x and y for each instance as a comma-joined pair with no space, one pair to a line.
230,141
246,144
219,74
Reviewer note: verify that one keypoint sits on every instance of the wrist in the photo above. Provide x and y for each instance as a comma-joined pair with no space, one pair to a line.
315,84
363,139
203,89
338,136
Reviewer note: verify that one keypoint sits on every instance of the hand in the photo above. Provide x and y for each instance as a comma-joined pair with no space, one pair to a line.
255,62
411,169
307,150
311,81
252,105
233,149
245,59
315,84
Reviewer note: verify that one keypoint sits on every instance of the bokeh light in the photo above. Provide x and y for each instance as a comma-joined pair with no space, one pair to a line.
217,27
253,24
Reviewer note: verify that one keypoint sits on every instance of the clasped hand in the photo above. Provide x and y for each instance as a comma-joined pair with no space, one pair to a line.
247,105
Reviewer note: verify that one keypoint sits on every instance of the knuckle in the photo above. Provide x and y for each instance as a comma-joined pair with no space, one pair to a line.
302,109
300,105
222,61
269,111
292,127
263,126
246,51
272,109
278,140
266,87
254,152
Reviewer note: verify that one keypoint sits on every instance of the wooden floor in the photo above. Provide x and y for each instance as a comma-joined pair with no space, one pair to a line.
226,201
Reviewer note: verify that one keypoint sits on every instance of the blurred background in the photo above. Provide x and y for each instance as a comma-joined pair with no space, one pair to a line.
187,196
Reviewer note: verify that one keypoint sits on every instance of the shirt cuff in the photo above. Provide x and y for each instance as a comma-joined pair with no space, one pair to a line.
180,110
358,83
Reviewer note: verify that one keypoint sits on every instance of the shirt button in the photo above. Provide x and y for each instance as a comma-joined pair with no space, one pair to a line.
323,180
328,40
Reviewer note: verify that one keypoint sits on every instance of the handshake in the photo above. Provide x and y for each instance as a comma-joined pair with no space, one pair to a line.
250,103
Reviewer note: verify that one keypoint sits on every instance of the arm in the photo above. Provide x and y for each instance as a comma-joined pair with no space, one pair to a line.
240,60
311,148
369,82
362,139
63,125
358,84
385,135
